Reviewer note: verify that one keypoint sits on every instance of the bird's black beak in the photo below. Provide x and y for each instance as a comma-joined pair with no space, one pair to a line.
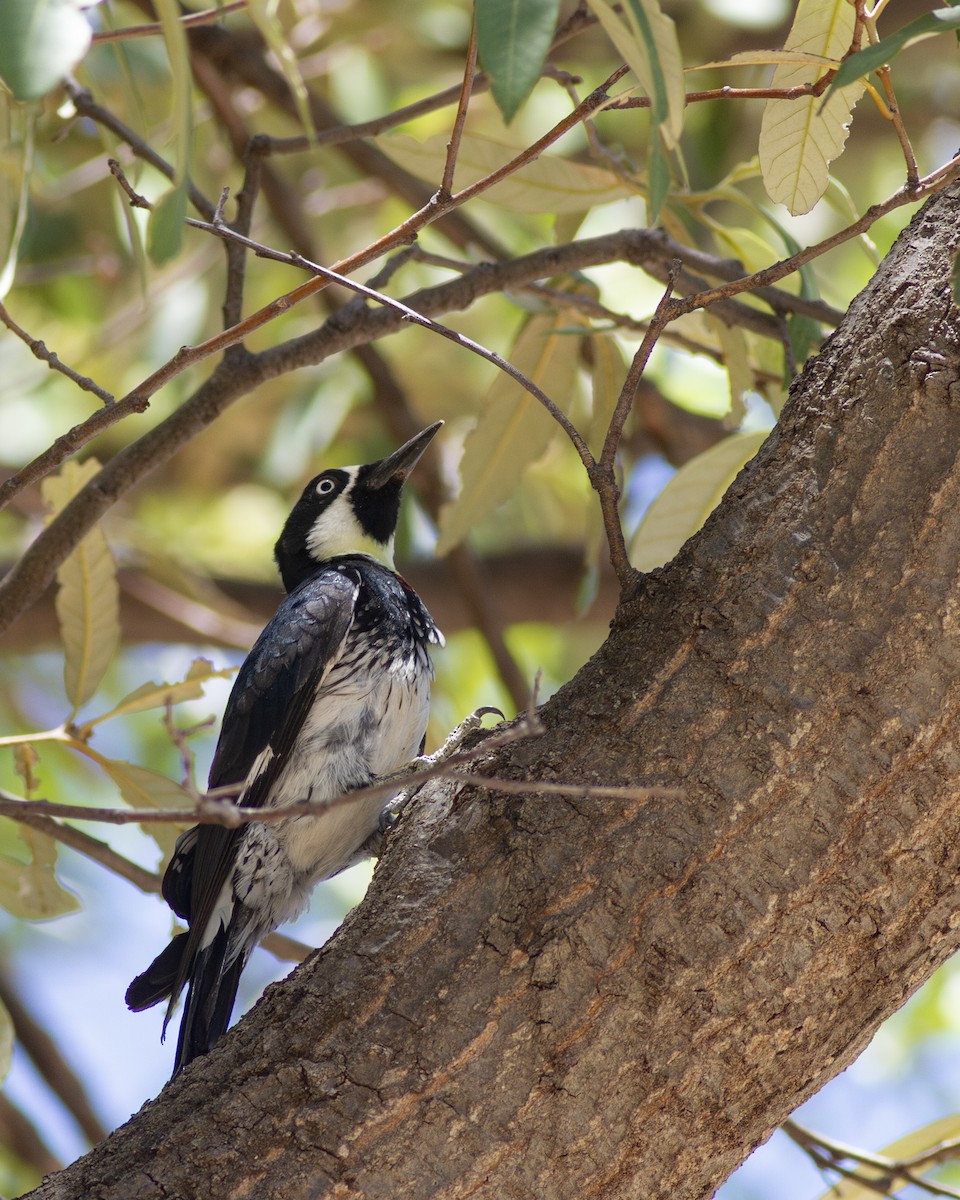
397,466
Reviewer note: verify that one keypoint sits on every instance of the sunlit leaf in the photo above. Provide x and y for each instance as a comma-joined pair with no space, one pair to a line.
32,891
646,38
142,788
155,695
764,58
800,138
87,594
548,184
41,41
12,239
871,57
919,1141
513,429
607,376
736,360
6,1041
165,228
513,37
689,498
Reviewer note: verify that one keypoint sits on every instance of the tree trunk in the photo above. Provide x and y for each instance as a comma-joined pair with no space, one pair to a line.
562,997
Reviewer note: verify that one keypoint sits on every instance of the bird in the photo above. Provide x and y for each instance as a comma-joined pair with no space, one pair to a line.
334,693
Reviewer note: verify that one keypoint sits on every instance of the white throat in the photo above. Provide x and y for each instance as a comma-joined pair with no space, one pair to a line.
337,531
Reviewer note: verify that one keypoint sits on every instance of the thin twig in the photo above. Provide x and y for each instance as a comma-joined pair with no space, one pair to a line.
410,314
152,30
892,1174
40,351
463,103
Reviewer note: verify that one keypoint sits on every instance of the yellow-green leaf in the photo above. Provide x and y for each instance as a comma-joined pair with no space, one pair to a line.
800,138
549,184
764,58
6,1042
514,429
919,1141
31,891
689,498
142,788
155,695
263,13
87,596
609,372
647,40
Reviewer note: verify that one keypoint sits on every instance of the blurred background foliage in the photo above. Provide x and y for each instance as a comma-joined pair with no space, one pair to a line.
193,542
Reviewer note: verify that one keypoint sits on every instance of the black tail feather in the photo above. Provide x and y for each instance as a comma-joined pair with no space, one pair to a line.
158,980
211,994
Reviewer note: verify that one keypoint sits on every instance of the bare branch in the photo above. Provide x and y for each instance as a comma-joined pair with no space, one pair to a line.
40,351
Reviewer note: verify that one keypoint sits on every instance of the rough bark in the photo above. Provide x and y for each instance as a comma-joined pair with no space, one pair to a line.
566,997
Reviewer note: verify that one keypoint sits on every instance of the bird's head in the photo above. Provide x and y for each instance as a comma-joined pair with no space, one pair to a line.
348,510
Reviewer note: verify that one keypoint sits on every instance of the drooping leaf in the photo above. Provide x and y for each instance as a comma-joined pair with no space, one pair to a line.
689,498
178,55
155,695
736,360
549,184
41,41
609,372
871,57
514,429
6,1042
264,14
13,236
513,37
32,891
142,788
647,40
87,595
799,139
165,227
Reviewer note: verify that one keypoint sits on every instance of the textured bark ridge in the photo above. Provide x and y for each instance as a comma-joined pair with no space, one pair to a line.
557,998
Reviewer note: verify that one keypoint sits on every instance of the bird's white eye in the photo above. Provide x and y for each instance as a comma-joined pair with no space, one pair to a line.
325,487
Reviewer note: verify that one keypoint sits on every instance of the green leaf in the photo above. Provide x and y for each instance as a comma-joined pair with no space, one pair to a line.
647,40
263,13
871,57
514,429
87,603
6,1042
165,228
658,180
800,138
513,37
689,498
32,891
41,41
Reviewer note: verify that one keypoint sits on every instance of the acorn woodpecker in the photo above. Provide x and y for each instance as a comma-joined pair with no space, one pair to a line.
334,693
